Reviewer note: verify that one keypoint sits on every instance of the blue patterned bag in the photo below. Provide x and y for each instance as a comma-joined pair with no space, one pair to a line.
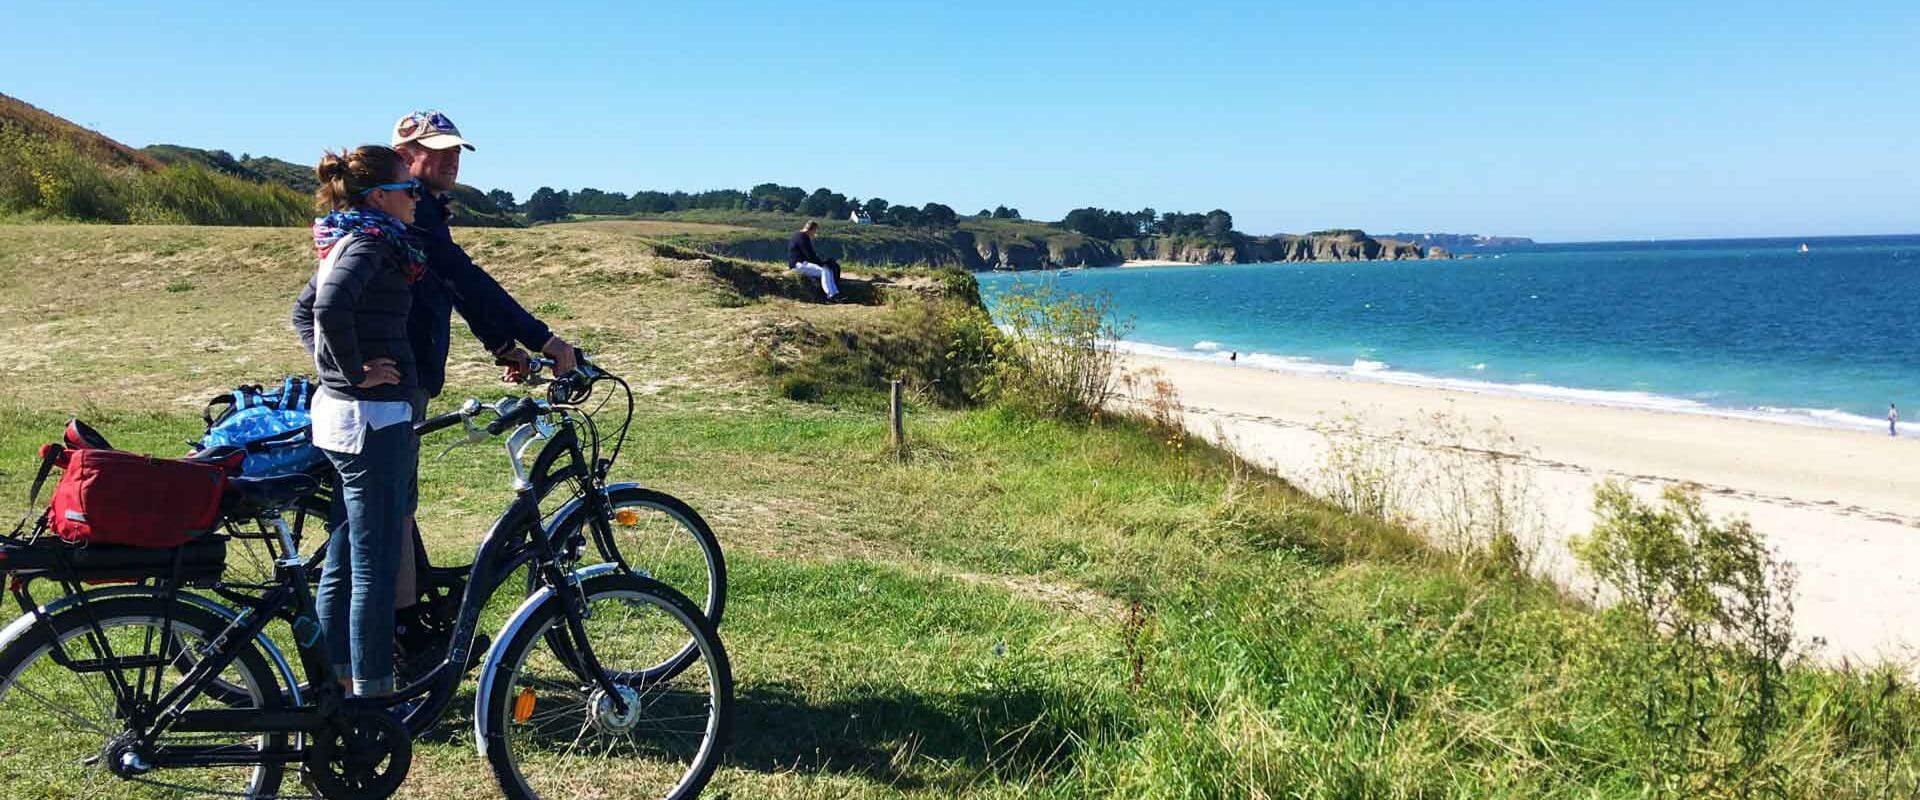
274,428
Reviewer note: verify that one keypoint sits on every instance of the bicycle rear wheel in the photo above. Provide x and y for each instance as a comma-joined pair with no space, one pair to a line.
59,722
550,732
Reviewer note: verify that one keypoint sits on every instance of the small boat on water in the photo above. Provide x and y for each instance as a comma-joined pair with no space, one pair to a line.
1803,247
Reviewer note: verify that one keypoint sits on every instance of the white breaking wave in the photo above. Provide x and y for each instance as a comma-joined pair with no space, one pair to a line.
1380,372
1206,347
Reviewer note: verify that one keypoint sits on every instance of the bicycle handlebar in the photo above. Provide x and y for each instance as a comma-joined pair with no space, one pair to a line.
535,366
510,412
439,423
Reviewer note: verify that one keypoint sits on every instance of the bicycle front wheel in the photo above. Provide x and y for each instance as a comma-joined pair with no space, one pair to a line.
550,732
59,722
658,536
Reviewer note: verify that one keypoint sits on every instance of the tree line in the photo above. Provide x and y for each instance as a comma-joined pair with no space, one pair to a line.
547,204
1102,223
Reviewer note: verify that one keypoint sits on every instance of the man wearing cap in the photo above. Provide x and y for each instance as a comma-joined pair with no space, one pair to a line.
431,146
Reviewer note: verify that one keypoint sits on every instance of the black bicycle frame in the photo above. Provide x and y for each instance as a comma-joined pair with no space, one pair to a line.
517,538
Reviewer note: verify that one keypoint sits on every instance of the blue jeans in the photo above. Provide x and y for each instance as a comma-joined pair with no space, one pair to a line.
355,600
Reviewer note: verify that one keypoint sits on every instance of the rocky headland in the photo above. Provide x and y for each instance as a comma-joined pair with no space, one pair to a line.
1337,245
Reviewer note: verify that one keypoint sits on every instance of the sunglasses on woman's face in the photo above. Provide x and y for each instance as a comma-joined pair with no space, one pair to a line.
411,186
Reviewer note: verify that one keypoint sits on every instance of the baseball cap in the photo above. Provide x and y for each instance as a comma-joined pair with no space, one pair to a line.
429,129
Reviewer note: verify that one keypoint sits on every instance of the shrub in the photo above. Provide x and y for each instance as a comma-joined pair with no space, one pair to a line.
941,349
1484,506
1364,473
1159,404
1712,626
1059,352
193,195
50,177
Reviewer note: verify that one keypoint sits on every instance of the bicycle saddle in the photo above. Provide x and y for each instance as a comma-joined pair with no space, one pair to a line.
267,494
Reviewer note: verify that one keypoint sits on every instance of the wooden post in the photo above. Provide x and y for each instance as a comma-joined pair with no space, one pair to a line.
896,415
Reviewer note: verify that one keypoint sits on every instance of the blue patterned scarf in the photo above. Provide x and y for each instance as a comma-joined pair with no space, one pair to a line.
332,228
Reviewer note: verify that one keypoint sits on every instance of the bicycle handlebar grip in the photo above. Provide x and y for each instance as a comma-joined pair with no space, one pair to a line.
511,412
438,423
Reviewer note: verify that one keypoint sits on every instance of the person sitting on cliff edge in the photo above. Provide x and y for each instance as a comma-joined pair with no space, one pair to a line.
801,257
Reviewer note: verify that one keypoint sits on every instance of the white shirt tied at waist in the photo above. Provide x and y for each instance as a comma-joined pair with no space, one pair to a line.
341,425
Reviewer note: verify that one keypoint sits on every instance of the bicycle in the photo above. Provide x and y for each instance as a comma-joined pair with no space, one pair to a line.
546,678
635,528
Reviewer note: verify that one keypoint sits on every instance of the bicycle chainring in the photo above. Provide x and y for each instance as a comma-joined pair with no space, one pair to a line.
364,754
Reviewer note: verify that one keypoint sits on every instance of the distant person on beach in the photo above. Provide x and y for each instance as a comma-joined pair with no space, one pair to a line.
1234,356
1893,420
801,257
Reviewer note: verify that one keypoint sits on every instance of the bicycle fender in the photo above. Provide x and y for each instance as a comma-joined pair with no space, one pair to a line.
572,507
491,665
19,627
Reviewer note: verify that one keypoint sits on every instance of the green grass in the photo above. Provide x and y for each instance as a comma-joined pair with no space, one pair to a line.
1023,608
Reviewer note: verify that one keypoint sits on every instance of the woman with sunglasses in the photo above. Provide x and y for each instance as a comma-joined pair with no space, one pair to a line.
357,303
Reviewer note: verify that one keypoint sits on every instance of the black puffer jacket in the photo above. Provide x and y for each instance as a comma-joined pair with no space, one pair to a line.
355,312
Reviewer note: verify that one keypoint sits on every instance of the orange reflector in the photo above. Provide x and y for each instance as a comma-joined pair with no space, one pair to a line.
627,516
523,706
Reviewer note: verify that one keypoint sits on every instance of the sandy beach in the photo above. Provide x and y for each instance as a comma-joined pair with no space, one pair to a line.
1842,506
1147,262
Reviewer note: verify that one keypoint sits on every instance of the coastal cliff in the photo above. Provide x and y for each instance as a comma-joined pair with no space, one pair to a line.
1017,245
1463,241
1339,245
974,245
991,251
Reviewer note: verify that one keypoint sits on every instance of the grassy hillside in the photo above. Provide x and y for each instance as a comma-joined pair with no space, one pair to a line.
974,244
92,144
471,206
52,169
257,169
1024,608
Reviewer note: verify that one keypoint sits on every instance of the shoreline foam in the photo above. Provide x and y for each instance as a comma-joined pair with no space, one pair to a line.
1151,262
1382,372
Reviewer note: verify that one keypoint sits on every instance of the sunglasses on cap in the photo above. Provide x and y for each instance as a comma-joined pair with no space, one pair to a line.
431,119
411,185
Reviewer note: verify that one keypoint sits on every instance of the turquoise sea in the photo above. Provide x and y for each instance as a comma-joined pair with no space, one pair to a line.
1740,327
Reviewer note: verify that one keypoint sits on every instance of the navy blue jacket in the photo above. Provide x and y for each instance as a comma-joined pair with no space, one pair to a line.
800,248
453,282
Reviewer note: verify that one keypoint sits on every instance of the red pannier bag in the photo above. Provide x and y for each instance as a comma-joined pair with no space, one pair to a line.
114,497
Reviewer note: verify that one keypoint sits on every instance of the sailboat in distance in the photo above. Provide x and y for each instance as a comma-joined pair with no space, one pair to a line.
1803,247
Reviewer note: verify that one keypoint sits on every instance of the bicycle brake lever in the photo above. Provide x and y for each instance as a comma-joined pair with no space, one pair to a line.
475,435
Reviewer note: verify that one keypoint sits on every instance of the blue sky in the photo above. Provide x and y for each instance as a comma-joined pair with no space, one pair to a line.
1561,121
